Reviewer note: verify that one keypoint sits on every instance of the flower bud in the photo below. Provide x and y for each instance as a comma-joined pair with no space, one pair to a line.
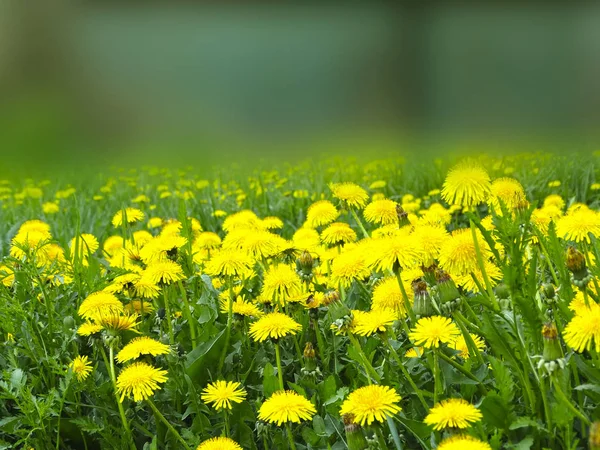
552,350
446,288
331,297
422,305
305,262
354,435
502,291
576,263
548,291
402,216
310,362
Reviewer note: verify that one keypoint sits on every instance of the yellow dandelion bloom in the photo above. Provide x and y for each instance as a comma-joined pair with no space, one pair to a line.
241,307
467,184
207,240
82,367
50,208
430,239
458,255
374,321
163,272
460,344
89,328
229,263
139,381
371,403
281,282
222,393
453,413
509,192
115,322
139,307
286,406
350,194
349,266
321,213
274,325
133,215
272,223
142,346
87,243
584,329
381,212
577,225
466,280
387,295
432,331
463,442
338,233
394,252
219,443
98,304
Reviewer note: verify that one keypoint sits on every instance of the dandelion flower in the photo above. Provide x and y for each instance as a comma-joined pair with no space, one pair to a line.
338,233
371,403
584,329
509,192
165,272
430,239
374,321
140,380
381,212
81,367
576,225
207,240
241,307
115,322
349,266
452,413
88,244
286,406
280,282
466,280
458,255
351,194
431,331
387,295
229,263
89,328
394,252
554,200
146,288
460,344
463,442
320,213
467,184
142,346
139,307
219,443
133,215
273,325
98,304
222,393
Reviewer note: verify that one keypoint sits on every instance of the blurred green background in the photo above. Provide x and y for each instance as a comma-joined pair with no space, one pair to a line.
90,83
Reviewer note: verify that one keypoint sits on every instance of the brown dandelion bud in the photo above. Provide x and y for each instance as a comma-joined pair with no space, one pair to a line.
575,261
354,435
331,297
552,350
309,350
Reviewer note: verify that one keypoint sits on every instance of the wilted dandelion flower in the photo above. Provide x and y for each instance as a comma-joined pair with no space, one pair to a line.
139,381
467,184
219,443
320,213
460,344
509,192
229,263
576,225
133,215
374,321
286,406
382,212
142,346
458,255
584,329
99,304
463,442
280,282
371,403
453,413
222,393
165,272
349,193
432,331
338,233
82,367
274,325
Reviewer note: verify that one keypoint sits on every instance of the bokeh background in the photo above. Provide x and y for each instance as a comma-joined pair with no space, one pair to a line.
116,82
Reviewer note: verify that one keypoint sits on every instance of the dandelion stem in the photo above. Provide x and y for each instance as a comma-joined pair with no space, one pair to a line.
166,422
436,376
405,372
290,436
225,423
490,289
113,379
370,371
228,329
279,370
188,313
462,370
569,404
407,305
168,316
359,223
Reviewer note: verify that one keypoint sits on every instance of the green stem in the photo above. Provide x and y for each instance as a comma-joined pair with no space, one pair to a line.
167,423
226,423
394,432
436,376
359,223
407,305
228,329
371,372
188,314
546,405
405,372
380,439
569,405
486,279
461,369
168,316
290,436
113,379
279,370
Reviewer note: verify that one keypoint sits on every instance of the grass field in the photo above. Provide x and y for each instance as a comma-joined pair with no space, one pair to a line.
400,303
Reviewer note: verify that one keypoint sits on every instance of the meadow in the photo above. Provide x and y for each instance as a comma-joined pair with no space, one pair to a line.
397,303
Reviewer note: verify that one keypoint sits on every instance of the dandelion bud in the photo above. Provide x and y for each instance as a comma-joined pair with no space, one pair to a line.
502,291
548,291
445,286
575,261
331,297
310,362
304,265
552,350
402,216
422,305
594,441
354,434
